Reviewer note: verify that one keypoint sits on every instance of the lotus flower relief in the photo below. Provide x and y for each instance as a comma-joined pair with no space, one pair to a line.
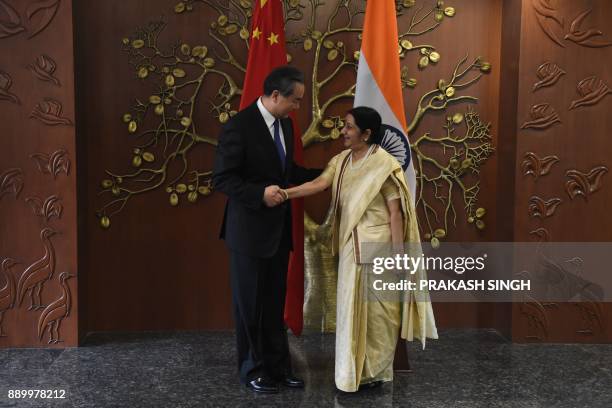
49,112
41,13
10,22
549,74
541,208
542,117
51,207
11,182
542,234
5,85
584,184
54,164
591,90
536,166
44,68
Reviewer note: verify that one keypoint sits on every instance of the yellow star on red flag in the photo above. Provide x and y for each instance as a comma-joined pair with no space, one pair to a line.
273,38
256,33
263,3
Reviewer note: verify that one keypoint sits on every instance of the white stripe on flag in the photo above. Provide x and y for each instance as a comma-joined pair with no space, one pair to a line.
367,93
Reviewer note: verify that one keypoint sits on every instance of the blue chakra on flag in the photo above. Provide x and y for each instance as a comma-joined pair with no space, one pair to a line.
396,144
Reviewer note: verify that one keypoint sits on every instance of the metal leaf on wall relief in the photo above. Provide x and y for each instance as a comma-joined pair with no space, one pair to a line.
319,30
54,164
5,85
44,68
536,166
585,37
49,112
549,74
40,14
543,208
547,16
592,90
10,21
541,116
50,207
584,184
11,182
192,62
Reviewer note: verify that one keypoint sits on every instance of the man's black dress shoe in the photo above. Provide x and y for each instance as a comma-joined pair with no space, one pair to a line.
263,385
292,381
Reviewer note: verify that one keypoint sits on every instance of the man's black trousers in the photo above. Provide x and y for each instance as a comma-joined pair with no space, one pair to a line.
258,296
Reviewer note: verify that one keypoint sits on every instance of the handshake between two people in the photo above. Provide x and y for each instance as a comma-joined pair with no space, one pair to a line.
274,195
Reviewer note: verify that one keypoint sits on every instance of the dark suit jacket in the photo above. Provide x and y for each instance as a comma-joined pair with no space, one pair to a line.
246,161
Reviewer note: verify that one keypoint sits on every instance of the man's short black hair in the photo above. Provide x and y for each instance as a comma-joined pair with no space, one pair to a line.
282,79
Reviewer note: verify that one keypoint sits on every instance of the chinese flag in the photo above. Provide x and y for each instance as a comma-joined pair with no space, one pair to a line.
266,52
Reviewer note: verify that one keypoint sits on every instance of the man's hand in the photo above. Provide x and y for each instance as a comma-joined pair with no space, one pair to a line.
272,196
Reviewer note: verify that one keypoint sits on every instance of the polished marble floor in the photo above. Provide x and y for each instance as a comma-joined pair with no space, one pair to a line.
465,368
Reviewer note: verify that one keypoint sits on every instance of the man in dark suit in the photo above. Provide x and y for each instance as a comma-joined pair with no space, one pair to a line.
254,159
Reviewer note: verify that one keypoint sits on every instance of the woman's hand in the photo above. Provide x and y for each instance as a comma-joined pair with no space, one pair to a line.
312,187
397,224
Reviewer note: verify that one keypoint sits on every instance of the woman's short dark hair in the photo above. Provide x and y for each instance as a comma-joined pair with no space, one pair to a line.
368,118
282,79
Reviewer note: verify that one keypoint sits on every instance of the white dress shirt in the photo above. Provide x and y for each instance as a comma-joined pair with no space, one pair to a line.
269,118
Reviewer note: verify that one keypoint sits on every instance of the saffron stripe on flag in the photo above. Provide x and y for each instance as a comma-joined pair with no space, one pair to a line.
379,84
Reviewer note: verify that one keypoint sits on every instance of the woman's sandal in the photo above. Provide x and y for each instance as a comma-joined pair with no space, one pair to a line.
370,385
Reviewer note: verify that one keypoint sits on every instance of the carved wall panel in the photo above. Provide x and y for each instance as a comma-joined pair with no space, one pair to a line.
573,37
38,231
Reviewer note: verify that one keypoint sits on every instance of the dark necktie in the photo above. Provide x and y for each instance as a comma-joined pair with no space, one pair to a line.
278,143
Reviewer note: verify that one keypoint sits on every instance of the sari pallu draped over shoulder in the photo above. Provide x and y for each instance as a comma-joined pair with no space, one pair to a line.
417,314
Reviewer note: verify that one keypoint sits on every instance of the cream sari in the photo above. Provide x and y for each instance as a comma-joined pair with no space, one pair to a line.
366,329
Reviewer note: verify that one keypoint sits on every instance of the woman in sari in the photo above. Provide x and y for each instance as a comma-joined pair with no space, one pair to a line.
371,203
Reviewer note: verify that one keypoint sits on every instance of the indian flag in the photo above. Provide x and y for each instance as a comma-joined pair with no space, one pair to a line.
378,81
